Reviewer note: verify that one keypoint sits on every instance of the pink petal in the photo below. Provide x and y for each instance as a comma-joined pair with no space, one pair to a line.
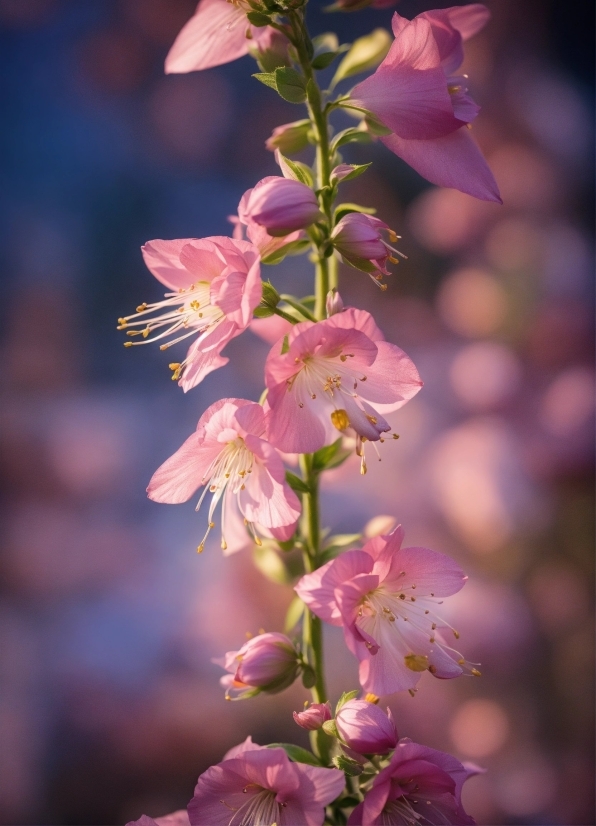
181,475
295,429
264,499
317,589
430,571
204,354
392,380
163,260
246,745
251,419
468,20
270,329
203,259
452,161
328,783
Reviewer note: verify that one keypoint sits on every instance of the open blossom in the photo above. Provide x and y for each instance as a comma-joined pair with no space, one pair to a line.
416,94
268,662
420,786
313,717
217,33
365,728
255,785
179,818
215,285
385,598
279,205
336,374
358,238
229,455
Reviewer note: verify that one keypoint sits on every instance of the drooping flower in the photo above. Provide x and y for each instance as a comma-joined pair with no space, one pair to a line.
179,818
279,205
215,285
268,662
416,94
217,33
335,374
313,717
385,598
365,728
255,785
419,786
229,454
358,238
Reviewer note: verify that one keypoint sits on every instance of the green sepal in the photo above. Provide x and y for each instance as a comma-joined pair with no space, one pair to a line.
295,170
290,84
346,697
350,767
263,312
351,135
268,78
257,19
345,209
293,614
296,753
330,728
357,169
297,484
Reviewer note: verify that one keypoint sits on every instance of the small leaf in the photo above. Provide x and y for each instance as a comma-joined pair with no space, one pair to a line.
345,697
269,563
323,60
296,483
309,677
357,169
257,19
268,78
285,345
326,42
296,753
351,135
345,209
293,248
366,53
295,170
290,85
345,764
330,728
322,457
263,312
294,614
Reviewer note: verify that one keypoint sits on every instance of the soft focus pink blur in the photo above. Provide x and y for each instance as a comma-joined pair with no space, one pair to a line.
109,703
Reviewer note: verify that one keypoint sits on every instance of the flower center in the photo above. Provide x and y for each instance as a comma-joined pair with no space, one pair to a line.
261,809
188,311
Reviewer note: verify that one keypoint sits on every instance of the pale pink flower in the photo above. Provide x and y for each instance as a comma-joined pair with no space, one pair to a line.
313,717
358,238
229,455
419,786
336,374
416,95
365,728
217,33
216,285
268,662
255,785
385,598
279,205
179,818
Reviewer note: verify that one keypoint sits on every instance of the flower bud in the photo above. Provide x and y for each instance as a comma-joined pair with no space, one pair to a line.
271,50
289,138
365,728
268,662
313,717
281,205
358,239
334,303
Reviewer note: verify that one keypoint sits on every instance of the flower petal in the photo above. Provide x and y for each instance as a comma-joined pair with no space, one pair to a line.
163,260
181,475
317,589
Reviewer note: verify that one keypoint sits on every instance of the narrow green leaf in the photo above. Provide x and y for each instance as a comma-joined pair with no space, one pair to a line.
323,60
296,753
290,85
295,170
366,53
268,78
345,697
293,614
296,483
321,459
351,135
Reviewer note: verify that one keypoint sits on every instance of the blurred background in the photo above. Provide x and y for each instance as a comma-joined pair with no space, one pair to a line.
109,704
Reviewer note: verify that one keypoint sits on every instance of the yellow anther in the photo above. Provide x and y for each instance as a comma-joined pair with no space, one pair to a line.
212,524
128,343
175,365
372,419
393,236
456,634
224,545
396,435
393,259
371,698
201,548
146,332
461,662
258,541
476,673
122,321
416,662
339,419
383,287
141,307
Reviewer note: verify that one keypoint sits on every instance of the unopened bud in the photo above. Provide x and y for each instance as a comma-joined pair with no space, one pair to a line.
334,303
313,717
289,138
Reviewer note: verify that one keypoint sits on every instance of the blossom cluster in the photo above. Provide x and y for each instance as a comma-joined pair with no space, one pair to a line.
331,378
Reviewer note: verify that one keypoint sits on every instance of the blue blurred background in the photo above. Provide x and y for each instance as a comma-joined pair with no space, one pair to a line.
109,705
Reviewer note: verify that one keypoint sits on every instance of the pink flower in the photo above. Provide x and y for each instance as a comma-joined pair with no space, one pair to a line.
215,284
365,728
268,662
416,95
255,785
385,597
420,785
279,205
230,456
332,374
359,241
179,818
289,138
313,717
217,33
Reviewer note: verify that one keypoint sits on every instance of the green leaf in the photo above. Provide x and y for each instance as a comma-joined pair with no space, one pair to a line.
290,85
285,345
351,135
322,459
269,563
330,728
375,127
295,170
323,60
345,209
263,312
325,42
357,169
296,753
345,697
366,53
270,295
293,614
268,78
296,483
258,19
347,765
293,248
